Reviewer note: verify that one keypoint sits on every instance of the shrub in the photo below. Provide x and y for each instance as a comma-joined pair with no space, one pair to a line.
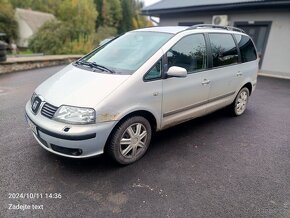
57,37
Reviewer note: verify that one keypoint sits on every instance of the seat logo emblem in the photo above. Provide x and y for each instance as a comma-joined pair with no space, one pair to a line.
36,104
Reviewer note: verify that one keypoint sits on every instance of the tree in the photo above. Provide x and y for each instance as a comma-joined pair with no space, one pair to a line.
132,19
116,13
104,32
8,24
81,14
84,17
141,21
128,12
110,13
73,33
59,37
49,6
55,34
109,20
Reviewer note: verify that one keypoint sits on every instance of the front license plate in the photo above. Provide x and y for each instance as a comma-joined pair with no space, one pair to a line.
32,126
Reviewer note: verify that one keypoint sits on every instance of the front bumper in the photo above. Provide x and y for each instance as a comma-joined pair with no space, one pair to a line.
80,141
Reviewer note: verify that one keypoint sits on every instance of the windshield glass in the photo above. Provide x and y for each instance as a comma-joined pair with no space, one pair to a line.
127,53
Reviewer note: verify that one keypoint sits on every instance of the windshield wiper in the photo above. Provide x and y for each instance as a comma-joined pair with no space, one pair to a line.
95,65
102,67
83,63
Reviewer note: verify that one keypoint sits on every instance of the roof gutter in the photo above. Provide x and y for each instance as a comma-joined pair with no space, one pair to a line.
221,7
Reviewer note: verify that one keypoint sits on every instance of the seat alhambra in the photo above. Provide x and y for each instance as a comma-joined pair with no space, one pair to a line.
144,81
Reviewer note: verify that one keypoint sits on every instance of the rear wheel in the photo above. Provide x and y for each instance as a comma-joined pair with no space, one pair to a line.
239,106
130,140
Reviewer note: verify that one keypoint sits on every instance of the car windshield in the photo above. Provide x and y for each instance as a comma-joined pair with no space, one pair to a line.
127,53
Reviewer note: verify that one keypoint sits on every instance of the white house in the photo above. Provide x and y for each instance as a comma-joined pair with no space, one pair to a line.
28,23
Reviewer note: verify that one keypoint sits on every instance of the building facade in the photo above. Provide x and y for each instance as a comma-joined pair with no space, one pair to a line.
267,22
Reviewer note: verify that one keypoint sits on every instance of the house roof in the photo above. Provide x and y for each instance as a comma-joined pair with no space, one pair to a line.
34,19
180,6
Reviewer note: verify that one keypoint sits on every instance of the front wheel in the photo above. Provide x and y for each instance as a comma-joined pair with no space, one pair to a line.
130,140
239,106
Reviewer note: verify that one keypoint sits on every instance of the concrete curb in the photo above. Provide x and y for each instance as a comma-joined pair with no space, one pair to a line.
14,64
274,75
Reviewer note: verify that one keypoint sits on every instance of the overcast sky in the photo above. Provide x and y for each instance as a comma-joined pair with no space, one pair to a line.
150,2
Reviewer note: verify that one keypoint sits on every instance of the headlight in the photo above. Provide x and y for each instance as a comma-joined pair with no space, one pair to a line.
75,115
33,97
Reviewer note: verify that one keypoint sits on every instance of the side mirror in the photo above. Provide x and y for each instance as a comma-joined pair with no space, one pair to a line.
177,72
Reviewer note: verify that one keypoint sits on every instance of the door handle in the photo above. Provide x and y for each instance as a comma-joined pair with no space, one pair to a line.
205,82
239,73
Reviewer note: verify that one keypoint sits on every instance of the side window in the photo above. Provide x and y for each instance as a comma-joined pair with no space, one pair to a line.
223,48
189,53
155,72
247,48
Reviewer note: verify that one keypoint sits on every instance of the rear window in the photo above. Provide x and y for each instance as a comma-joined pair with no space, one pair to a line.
247,48
223,49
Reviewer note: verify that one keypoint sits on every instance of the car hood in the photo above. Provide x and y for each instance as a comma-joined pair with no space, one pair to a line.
78,87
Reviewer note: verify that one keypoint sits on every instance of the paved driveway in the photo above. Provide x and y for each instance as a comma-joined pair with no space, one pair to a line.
215,166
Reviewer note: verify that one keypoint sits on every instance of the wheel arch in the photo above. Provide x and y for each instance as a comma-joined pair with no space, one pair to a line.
144,113
249,86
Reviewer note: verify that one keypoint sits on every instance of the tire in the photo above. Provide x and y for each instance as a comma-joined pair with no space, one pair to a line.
130,140
2,55
3,58
239,106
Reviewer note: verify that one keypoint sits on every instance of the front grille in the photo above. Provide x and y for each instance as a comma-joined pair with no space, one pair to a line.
48,110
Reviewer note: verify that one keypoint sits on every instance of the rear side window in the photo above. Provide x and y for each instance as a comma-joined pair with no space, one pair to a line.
223,49
189,53
247,48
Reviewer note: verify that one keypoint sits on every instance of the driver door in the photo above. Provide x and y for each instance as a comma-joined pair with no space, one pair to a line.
186,98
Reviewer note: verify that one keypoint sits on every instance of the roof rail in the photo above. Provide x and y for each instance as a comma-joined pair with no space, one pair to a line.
230,28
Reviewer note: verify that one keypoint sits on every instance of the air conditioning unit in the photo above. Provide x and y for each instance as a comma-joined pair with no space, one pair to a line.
221,20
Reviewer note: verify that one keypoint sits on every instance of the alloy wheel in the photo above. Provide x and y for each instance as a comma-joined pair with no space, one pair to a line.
133,140
241,102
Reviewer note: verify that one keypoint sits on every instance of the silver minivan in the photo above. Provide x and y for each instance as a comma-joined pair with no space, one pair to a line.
144,81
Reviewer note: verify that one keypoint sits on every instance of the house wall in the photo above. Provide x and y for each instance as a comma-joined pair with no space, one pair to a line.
24,32
276,57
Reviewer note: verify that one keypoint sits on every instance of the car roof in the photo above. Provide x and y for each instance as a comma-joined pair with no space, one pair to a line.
178,29
165,29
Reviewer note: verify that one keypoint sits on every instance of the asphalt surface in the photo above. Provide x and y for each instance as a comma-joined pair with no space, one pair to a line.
215,166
